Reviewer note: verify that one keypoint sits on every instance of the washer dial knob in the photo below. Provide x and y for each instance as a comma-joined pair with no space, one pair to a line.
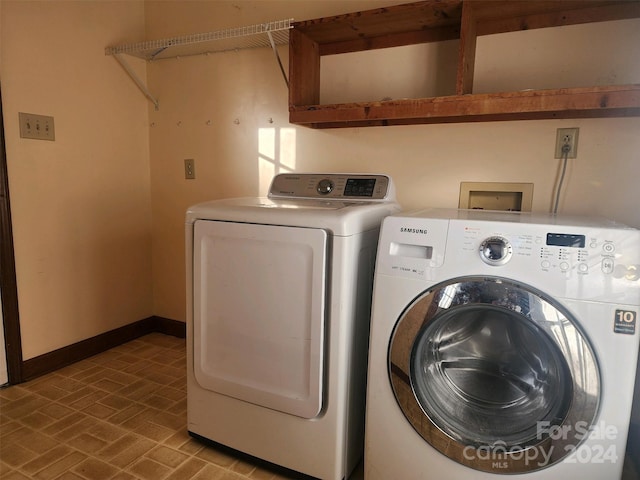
325,186
495,250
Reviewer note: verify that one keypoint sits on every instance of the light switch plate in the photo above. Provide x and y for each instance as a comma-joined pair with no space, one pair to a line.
38,127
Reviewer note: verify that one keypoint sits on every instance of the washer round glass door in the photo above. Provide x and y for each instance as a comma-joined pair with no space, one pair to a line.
494,374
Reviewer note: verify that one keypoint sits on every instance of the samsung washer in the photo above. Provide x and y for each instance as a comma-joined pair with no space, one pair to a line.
279,295
501,343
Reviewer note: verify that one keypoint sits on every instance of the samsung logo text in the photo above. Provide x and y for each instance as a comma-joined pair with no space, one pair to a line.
421,231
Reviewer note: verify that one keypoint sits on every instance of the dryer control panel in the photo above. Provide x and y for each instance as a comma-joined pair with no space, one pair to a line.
333,186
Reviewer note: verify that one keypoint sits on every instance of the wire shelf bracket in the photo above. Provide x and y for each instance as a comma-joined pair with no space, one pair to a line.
269,34
140,84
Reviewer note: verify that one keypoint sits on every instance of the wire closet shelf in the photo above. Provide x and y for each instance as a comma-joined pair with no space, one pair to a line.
253,36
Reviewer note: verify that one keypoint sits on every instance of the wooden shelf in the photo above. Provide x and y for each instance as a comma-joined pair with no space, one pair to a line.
433,21
614,101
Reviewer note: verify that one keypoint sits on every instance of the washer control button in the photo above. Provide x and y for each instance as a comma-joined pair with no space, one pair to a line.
607,265
608,247
583,268
564,266
325,186
495,250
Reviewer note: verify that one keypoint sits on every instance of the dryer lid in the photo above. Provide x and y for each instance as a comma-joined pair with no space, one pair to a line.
339,217
259,339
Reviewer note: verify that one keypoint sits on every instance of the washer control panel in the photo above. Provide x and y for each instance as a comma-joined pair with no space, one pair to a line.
332,186
567,251
560,251
595,260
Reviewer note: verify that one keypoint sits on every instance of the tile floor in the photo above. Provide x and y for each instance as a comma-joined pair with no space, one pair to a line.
118,415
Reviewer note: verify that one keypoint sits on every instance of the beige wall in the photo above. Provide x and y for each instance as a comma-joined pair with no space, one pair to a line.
80,205
99,213
243,97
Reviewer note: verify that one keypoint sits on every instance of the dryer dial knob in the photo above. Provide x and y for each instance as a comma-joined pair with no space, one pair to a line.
495,251
325,187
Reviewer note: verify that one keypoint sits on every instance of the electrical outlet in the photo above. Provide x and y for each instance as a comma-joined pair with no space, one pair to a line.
564,137
38,127
189,168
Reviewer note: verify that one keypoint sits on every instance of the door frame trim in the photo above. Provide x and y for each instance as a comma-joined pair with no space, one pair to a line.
8,282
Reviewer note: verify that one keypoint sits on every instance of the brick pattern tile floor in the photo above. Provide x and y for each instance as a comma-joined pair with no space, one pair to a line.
119,415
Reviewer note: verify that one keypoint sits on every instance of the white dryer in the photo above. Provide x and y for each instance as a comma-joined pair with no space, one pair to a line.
279,296
501,343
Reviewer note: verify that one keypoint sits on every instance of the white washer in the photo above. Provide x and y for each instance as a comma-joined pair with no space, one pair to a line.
501,343
279,297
